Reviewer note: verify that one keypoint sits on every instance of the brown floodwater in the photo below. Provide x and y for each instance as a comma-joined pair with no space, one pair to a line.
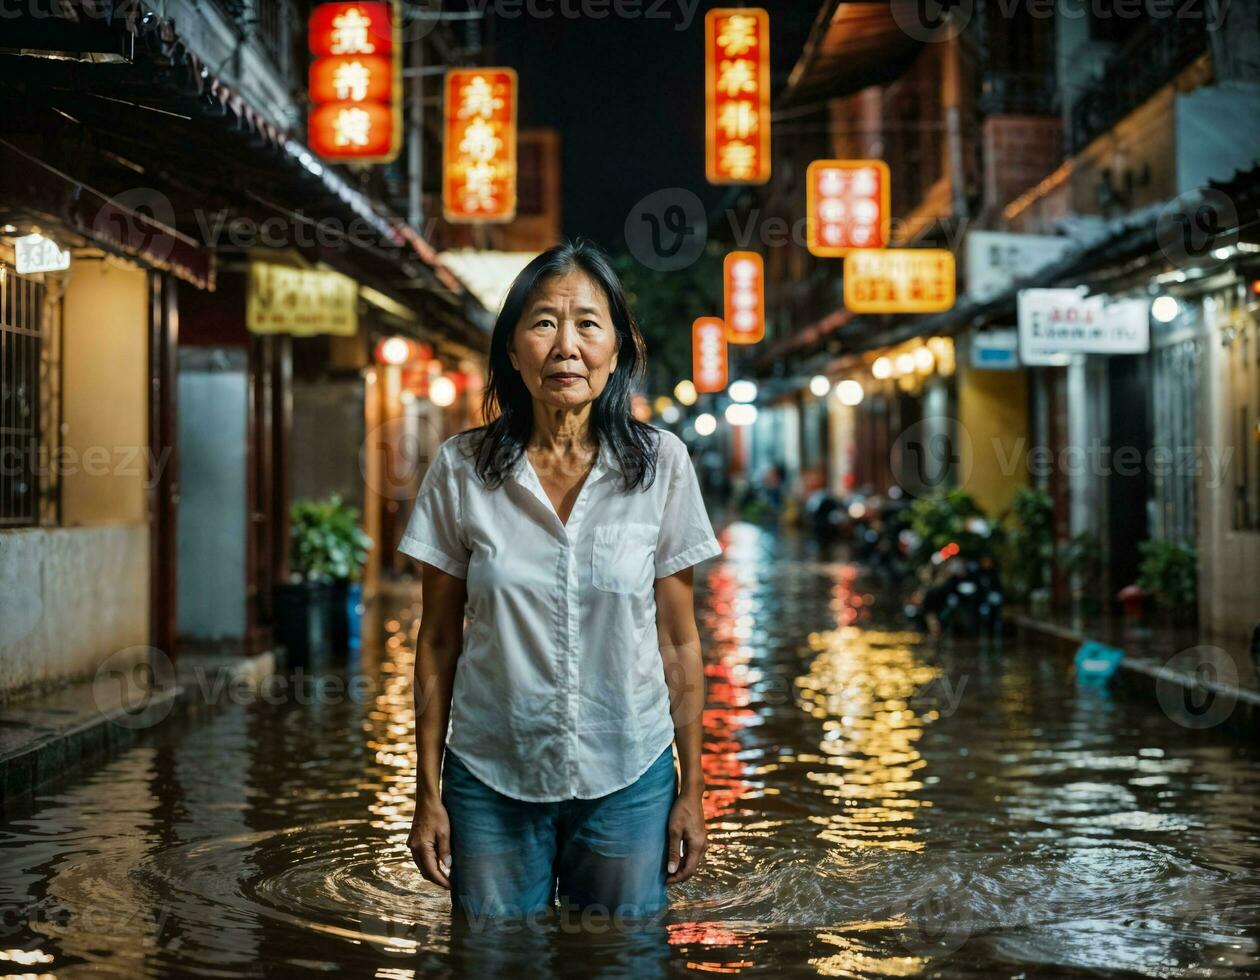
878,807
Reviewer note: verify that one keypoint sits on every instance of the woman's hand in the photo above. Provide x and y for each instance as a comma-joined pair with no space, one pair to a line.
430,841
686,827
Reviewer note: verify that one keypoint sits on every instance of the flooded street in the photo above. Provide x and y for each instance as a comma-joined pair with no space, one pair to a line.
877,807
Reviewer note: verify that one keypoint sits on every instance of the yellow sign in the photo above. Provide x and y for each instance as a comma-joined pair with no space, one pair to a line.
899,280
304,302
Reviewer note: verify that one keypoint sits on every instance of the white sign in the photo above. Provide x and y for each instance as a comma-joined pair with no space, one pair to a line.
995,259
35,253
1056,323
995,350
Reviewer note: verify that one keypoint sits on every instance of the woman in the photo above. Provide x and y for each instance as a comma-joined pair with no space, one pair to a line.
566,530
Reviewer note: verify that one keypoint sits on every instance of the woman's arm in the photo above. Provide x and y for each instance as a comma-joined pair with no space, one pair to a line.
684,673
438,645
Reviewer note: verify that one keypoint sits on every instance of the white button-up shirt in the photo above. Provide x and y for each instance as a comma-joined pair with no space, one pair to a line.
560,690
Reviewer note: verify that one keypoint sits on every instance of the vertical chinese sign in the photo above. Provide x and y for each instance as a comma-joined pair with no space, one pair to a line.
356,81
708,354
737,95
479,155
846,206
743,280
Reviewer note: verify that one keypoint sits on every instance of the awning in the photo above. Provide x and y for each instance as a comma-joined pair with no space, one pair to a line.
488,274
852,45
164,130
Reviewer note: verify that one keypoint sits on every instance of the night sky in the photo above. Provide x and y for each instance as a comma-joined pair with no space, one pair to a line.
627,95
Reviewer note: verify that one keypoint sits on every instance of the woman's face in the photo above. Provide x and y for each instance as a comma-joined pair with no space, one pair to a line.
565,344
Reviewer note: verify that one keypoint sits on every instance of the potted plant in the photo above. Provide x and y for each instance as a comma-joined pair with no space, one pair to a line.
1032,547
327,553
1083,559
1170,573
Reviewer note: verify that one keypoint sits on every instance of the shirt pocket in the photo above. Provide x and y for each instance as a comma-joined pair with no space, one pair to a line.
623,556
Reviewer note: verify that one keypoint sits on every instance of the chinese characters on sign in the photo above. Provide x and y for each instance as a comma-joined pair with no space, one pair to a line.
303,302
708,354
479,156
846,206
899,280
355,82
737,95
743,276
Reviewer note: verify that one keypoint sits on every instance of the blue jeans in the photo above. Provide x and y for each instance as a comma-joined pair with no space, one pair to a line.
511,858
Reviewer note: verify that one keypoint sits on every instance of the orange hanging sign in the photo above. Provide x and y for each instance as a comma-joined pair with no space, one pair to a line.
846,206
355,81
708,354
743,276
479,156
899,280
737,95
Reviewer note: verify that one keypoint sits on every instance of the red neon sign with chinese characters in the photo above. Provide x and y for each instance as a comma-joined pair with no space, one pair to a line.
846,206
355,82
737,95
708,354
743,277
479,156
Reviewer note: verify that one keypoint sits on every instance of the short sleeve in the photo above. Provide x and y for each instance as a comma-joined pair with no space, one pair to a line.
433,531
686,536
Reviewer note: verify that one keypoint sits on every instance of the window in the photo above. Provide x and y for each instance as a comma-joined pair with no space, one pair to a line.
21,314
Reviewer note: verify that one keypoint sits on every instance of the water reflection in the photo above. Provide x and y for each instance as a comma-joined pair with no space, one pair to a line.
877,807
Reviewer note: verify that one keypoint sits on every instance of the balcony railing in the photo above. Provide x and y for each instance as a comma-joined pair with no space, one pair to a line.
1134,73
270,24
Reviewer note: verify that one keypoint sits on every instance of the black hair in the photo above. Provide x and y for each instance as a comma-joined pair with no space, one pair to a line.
507,404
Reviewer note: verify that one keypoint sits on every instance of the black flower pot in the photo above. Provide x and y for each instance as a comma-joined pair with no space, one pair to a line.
340,614
304,620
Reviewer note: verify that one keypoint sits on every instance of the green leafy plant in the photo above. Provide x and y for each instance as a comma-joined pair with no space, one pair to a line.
326,539
1171,573
950,517
1031,548
1083,558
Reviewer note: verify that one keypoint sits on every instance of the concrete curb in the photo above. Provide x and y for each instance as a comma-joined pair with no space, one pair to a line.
1187,699
51,737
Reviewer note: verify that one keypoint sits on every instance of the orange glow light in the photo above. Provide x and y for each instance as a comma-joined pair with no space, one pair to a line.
737,95
708,354
899,280
846,206
743,278
355,81
479,156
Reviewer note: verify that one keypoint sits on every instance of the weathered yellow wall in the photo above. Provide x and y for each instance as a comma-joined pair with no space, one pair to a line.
106,463
993,412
